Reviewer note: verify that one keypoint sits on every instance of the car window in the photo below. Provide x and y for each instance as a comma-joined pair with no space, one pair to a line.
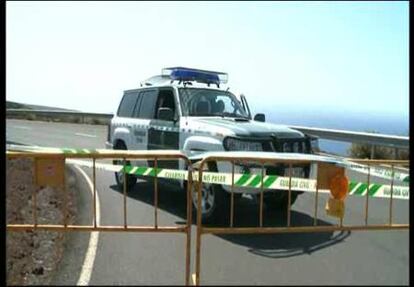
137,106
166,100
127,104
207,102
147,107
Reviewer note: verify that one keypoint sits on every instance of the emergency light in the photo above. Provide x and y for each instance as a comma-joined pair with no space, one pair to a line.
187,74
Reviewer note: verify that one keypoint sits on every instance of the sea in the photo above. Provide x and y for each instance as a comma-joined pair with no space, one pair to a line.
369,122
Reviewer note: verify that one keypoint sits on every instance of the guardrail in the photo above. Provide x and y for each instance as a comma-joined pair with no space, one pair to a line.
357,137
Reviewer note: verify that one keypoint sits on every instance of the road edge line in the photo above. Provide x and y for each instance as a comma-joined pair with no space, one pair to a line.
89,260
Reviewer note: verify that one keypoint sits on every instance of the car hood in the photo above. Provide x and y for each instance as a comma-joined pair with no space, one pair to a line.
241,127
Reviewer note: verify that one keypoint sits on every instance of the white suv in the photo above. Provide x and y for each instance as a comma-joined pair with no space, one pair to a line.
190,110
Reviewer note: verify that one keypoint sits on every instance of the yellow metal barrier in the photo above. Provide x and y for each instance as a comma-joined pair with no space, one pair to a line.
325,173
50,163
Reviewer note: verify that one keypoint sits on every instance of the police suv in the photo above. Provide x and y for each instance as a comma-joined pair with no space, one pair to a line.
190,110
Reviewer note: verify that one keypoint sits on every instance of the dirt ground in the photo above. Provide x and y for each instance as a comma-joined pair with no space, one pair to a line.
32,256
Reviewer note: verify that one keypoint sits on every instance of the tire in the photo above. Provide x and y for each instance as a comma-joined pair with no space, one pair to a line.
215,200
119,176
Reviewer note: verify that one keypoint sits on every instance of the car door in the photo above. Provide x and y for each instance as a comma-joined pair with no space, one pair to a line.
164,134
140,125
125,120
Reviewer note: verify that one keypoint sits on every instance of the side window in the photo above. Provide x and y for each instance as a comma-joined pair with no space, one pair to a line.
127,105
138,105
165,100
147,108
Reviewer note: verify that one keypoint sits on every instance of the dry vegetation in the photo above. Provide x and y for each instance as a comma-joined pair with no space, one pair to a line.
364,151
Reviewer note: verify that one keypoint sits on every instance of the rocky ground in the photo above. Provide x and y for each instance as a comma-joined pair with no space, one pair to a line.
32,256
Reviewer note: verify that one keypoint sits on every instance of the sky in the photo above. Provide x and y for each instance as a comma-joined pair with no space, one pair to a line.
291,57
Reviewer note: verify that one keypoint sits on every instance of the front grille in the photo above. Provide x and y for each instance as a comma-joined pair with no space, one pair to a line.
267,146
293,145
287,145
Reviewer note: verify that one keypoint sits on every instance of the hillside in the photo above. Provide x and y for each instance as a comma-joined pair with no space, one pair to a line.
15,105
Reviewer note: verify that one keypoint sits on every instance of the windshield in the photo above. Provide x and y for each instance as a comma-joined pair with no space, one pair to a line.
206,102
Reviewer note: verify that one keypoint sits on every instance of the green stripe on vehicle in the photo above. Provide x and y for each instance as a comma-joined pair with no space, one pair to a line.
243,179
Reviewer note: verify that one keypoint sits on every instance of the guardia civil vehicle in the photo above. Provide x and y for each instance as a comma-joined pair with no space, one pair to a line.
192,111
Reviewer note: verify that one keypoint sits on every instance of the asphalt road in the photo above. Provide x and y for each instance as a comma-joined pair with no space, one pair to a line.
339,258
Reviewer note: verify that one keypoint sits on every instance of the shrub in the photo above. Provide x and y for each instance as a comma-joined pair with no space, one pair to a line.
364,151
31,117
96,122
75,120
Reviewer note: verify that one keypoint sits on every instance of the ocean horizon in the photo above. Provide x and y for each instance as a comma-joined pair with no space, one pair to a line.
384,124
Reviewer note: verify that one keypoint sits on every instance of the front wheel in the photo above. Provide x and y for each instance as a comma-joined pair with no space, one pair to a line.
214,202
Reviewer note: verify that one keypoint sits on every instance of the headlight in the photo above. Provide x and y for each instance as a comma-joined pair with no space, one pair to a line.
233,144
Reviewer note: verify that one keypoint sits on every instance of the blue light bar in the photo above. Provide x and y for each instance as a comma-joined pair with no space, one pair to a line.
188,74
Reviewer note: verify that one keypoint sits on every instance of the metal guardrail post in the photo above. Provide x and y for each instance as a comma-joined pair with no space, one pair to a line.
94,191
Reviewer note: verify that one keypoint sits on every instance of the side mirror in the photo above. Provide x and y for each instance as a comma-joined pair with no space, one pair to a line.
260,117
165,114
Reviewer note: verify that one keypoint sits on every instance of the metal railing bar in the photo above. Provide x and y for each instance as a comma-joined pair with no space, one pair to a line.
94,192
155,193
367,195
63,228
315,217
125,192
261,197
232,195
392,189
298,229
289,195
